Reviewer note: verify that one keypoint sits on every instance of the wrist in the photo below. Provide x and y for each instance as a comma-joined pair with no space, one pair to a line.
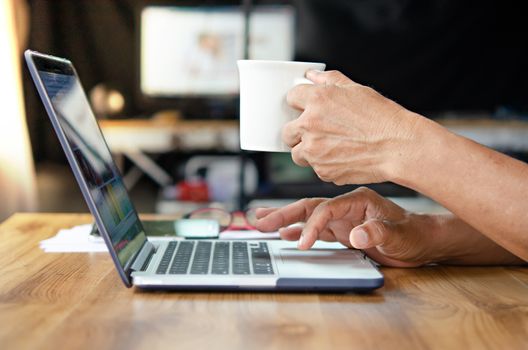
420,142
442,243
437,242
451,241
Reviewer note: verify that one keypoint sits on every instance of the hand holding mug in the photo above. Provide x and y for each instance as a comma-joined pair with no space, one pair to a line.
347,132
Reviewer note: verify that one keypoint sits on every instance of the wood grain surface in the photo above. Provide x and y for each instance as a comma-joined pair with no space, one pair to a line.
77,301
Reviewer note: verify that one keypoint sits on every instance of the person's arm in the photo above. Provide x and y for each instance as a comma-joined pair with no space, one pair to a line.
387,233
463,245
350,134
485,188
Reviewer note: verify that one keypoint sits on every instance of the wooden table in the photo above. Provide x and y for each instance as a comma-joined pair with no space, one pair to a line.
71,301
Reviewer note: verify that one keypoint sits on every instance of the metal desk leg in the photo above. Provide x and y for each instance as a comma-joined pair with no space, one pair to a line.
149,167
132,177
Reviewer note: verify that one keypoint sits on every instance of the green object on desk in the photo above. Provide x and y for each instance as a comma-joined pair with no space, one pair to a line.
197,228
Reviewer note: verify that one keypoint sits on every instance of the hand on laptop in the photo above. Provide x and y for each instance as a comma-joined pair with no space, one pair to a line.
387,233
360,219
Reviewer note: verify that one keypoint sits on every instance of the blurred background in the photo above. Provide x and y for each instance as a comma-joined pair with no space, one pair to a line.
162,80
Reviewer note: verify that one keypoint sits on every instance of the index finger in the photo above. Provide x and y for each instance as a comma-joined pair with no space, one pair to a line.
262,212
292,133
290,214
333,209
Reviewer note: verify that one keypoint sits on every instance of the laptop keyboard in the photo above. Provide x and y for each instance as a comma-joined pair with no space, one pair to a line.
217,258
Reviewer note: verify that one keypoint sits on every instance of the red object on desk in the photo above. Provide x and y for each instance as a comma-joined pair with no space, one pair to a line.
195,191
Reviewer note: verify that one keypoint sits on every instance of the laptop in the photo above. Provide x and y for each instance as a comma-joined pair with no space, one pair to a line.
179,264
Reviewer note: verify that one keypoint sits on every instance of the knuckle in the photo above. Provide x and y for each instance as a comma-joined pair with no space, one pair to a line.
299,157
318,200
359,90
368,90
288,133
364,191
323,174
305,202
296,156
335,74
322,208
310,204
339,181
307,121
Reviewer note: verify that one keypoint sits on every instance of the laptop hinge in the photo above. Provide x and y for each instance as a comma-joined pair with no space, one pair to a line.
143,258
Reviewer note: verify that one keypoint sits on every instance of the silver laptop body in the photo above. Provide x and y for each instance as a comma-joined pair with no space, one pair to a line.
178,264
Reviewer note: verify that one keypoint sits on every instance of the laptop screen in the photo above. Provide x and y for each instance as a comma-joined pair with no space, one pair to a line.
116,212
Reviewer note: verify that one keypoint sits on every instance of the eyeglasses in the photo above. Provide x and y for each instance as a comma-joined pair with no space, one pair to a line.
228,220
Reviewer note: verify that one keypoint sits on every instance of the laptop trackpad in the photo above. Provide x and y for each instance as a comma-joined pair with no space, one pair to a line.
323,263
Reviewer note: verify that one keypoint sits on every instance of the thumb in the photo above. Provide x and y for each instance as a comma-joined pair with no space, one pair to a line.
375,233
332,77
372,233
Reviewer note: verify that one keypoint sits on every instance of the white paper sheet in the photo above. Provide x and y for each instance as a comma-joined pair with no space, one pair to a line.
78,239
74,240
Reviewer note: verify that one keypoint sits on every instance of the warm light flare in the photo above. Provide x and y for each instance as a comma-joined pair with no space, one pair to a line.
17,174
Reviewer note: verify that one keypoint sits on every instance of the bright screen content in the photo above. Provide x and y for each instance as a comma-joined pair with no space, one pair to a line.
93,157
193,50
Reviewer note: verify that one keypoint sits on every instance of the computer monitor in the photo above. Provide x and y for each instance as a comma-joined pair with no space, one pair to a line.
189,53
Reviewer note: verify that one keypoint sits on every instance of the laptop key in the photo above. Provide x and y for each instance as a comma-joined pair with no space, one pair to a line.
166,258
220,264
240,259
261,259
200,264
180,264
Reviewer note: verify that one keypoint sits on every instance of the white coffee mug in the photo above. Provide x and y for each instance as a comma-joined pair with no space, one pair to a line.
263,108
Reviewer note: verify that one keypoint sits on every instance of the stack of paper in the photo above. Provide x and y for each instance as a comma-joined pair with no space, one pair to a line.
79,240
74,240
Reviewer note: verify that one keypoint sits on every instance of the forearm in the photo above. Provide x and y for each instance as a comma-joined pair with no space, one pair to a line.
486,189
454,242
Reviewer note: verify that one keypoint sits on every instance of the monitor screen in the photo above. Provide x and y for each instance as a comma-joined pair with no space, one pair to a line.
94,160
188,51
